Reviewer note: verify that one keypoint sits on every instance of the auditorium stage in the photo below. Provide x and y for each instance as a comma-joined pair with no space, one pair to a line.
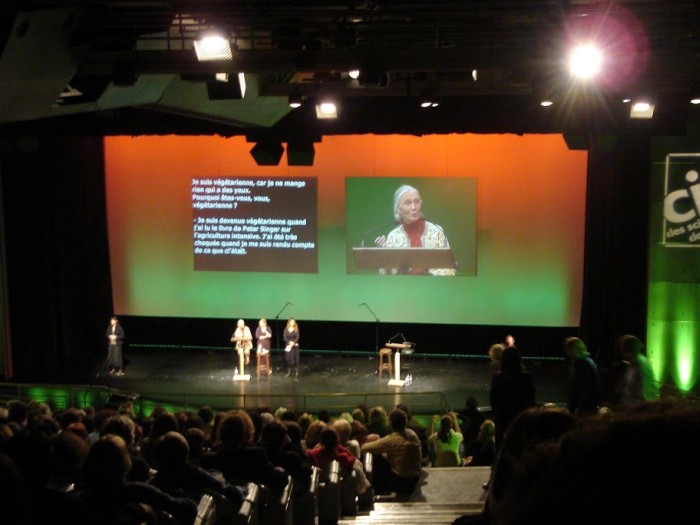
331,380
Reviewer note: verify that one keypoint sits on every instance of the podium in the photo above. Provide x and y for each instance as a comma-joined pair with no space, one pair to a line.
396,380
403,258
240,343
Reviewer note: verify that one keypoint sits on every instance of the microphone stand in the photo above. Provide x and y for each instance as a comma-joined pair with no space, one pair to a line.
376,341
277,324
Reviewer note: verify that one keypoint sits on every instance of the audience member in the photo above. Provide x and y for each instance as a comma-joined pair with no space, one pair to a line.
34,457
471,419
512,390
445,445
177,476
163,421
313,434
344,429
377,421
123,426
603,471
238,459
279,449
397,457
482,451
495,353
635,381
584,381
530,428
419,428
107,493
329,449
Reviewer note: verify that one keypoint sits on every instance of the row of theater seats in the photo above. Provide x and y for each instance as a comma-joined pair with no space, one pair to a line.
332,494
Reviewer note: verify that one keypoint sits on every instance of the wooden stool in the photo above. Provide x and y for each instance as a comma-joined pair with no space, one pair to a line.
385,361
263,364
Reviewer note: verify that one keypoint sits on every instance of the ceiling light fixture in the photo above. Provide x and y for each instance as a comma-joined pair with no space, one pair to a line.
642,110
212,45
326,110
295,96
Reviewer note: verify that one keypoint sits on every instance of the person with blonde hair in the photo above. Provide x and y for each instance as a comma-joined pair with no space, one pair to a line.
243,339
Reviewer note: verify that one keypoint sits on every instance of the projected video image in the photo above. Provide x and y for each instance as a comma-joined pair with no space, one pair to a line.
411,226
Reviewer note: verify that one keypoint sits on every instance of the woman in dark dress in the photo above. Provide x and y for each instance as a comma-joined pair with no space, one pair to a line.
291,349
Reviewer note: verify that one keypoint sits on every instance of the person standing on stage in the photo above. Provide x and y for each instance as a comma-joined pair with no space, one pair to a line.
115,344
263,335
243,339
291,339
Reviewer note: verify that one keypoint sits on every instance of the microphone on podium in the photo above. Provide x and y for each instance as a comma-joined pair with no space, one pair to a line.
376,228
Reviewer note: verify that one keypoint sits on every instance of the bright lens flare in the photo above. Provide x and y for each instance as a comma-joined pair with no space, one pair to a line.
585,62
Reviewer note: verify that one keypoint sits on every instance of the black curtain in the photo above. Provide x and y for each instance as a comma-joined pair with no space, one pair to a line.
617,239
57,256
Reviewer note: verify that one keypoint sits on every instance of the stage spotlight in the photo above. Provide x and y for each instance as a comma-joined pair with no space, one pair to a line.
642,110
546,103
295,96
354,74
695,101
326,110
267,153
212,45
585,61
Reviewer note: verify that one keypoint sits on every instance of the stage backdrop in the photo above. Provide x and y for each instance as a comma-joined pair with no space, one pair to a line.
198,229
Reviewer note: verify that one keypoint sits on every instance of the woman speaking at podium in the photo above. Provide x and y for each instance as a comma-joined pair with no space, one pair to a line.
413,231
243,338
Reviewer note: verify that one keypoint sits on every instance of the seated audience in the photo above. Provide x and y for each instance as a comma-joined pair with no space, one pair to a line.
329,449
177,476
109,496
238,459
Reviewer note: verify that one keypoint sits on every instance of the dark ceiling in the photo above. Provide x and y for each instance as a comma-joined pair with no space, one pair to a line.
127,67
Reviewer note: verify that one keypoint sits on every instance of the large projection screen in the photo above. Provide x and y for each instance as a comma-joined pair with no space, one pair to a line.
517,201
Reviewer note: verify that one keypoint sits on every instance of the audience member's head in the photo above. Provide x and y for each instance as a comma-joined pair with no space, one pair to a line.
511,362
313,434
398,420
107,464
120,425
358,415
329,438
170,452
274,435
237,430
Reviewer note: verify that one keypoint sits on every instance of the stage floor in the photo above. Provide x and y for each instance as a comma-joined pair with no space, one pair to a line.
332,381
